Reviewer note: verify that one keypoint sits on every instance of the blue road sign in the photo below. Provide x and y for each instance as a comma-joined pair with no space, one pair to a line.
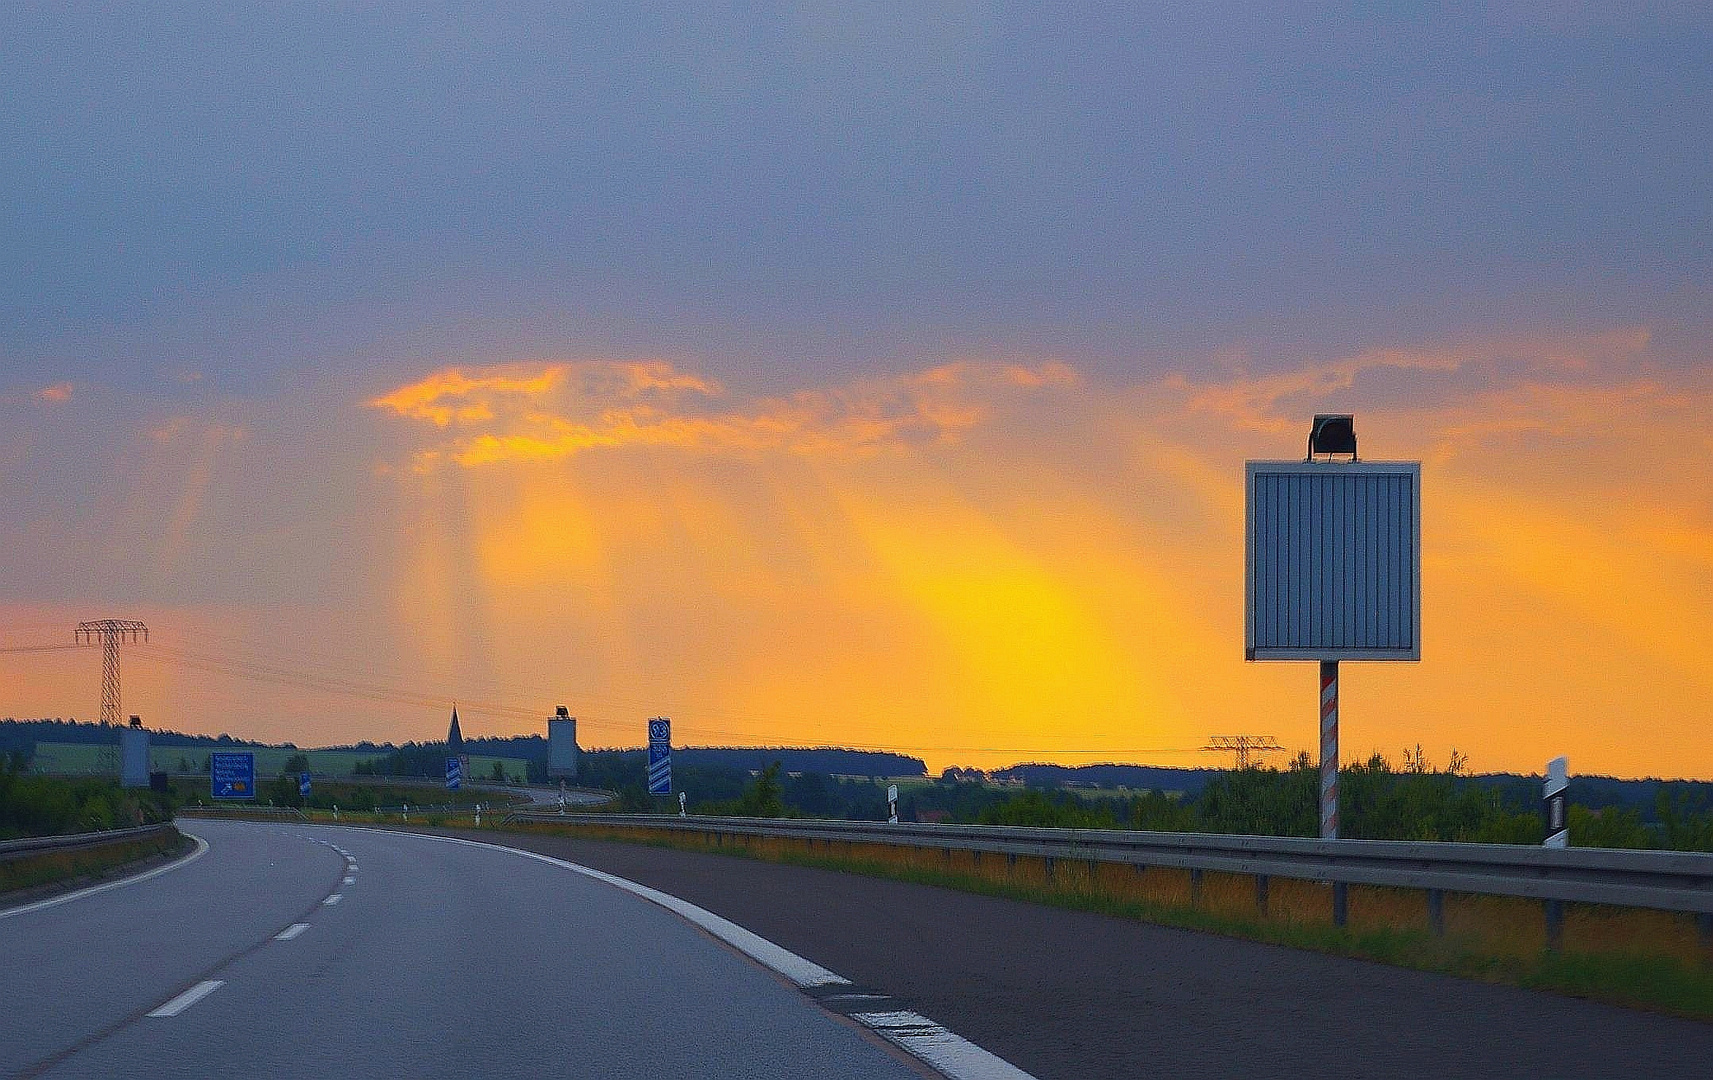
232,776
660,756
303,784
454,773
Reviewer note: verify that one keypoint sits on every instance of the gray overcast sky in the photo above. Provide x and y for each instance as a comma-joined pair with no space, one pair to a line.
260,192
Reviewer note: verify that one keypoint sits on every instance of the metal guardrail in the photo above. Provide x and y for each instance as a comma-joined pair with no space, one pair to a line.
219,810
46,845
1669,881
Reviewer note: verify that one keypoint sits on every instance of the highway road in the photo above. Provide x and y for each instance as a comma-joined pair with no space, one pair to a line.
298,950
1075,994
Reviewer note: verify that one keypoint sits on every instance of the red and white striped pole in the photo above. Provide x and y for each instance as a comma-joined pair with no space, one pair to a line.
1329,749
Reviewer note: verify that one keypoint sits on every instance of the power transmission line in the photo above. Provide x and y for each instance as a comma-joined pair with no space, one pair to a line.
1245,747
342,684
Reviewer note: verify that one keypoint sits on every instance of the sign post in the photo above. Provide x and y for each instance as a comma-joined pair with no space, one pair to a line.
454,774
1332,572
892,804
232,775
303,784
660,756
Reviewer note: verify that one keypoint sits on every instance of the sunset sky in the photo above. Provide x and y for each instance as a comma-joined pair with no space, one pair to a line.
872,375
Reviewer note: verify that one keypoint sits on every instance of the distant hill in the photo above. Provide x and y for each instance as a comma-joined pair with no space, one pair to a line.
22,735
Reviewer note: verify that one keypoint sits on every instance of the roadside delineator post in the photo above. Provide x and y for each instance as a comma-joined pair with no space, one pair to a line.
682,801
1552,800
892,804
335,811
1557,836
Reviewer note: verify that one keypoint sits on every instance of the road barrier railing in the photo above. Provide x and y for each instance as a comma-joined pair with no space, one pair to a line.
216,810
1662,880
30,846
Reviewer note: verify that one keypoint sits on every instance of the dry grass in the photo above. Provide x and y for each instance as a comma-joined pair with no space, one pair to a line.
1627,956
55,867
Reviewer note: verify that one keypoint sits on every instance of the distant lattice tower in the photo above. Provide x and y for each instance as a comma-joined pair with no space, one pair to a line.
110,633
1247,748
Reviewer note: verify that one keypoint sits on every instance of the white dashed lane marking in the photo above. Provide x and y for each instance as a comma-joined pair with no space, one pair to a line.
334,899
189,997
291,931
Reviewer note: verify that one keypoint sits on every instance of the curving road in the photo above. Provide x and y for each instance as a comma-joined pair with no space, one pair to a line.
433,959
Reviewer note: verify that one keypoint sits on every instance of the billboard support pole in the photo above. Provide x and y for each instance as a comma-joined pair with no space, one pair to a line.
1329,749
1329,775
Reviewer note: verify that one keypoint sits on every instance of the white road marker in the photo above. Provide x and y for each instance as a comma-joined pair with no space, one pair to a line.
291,931
334,899
189,997
349,881
953,1055
25,909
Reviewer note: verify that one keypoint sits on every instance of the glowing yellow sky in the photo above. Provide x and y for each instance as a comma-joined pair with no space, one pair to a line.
981,561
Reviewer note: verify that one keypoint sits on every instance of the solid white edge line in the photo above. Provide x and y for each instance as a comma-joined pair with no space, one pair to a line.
189,997
291,931
952,1054
25,909
942,1049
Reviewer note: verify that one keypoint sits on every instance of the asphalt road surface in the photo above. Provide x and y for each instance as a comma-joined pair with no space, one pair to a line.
295,950
1072,994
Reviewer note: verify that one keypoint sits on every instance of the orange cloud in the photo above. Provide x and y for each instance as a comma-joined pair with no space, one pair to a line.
57,393
519,413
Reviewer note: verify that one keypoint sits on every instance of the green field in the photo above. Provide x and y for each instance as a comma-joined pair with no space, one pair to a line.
92,759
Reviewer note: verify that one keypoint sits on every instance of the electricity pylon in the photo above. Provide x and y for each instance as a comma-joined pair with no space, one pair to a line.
110,632
1244,746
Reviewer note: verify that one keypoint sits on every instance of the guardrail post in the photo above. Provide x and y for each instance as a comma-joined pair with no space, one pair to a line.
1049,861
1340,904
1436,911
1261,895
1195,888
1554,924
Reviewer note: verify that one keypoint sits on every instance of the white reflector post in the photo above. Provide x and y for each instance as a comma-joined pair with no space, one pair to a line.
1552,795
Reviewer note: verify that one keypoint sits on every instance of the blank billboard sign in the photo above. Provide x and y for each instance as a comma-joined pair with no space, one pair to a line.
1333,561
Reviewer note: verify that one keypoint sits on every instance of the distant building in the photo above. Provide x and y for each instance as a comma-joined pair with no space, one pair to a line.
455,745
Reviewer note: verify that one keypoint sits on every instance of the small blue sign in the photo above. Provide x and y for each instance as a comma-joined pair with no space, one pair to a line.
454,773
660,756
231,775
303,784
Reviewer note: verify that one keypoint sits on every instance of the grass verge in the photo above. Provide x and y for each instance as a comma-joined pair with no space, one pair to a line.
54,869
1622,956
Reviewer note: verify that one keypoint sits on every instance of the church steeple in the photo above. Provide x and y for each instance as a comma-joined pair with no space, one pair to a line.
454,737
